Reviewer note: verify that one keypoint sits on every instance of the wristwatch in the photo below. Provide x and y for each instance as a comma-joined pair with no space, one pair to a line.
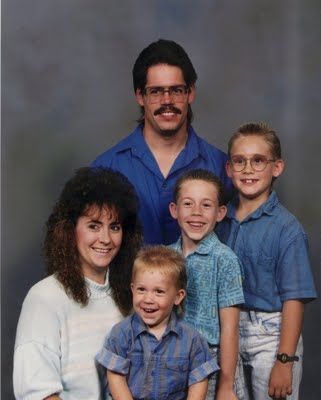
284,358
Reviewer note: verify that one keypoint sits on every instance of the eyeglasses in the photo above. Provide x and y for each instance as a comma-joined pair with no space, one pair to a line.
155,94
257,162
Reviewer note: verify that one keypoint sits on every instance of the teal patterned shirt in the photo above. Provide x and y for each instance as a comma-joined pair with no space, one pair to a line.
214,281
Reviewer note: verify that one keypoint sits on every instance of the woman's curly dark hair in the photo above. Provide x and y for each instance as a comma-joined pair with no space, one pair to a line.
98,187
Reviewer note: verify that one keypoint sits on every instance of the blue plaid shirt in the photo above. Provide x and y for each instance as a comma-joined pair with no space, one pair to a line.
214,281
157,369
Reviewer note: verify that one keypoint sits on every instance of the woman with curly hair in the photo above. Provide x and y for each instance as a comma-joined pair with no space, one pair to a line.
92,238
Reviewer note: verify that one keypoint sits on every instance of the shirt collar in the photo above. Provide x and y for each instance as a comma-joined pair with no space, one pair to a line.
267,208
204,247
140,327
137,144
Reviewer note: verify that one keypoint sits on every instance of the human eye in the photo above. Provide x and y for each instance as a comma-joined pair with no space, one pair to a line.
155,91
116,227
177,89
238,161
93,226
160,291
187,203
259,160
140,289
207,204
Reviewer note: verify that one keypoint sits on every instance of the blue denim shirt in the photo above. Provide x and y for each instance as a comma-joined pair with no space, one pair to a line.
134,159
214,281
157,369
272,247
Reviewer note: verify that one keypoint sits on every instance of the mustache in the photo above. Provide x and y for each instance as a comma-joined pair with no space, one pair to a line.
170,108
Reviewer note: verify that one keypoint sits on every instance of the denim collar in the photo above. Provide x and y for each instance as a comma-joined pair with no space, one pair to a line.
267,208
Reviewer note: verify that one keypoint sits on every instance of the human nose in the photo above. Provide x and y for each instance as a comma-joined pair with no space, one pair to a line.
166,96
248,165
197,210
104,236
148,297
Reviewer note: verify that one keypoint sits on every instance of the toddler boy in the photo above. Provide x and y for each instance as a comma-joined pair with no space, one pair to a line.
152,354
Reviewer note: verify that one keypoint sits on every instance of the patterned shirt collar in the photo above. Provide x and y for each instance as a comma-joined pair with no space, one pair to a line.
205,246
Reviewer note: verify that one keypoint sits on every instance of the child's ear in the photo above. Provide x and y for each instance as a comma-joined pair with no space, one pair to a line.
222,210
173,209
131,287
179,297
228,169
278,168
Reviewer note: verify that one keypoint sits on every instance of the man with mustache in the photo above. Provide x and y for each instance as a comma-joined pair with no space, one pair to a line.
164,144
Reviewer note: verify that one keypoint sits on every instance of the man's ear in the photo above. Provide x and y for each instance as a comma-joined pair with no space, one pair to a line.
139,97
278,168
173,209
191,94
222,210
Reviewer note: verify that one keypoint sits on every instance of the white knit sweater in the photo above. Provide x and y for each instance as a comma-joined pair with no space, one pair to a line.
57,340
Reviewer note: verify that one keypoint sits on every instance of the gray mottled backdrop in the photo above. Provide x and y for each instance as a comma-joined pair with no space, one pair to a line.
67,95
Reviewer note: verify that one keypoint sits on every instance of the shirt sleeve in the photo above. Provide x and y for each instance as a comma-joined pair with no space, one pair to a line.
293,273
230,290
202,363
113,355
36,372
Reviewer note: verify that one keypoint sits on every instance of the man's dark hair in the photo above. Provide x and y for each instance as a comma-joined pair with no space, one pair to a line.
163,52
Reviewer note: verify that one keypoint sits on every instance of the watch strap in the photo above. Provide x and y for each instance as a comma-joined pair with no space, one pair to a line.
284,358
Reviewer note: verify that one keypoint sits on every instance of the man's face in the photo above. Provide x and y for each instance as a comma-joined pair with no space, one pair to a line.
167,115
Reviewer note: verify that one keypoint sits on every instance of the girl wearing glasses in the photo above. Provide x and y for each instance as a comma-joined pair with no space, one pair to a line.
272,247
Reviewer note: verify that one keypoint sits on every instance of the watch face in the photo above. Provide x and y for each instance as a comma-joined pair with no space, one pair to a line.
284,358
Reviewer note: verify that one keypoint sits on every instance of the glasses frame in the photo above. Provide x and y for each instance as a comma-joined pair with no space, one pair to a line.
157,98
251,160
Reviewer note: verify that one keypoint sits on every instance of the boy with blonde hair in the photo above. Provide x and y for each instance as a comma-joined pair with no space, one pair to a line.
272,247
152,354
214,284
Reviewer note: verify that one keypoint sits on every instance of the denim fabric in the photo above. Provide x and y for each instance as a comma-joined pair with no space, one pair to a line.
259,341
134,159
272,247
214,281
157,369
213,379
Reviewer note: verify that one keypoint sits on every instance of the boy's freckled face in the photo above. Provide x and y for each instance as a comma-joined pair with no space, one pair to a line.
249,183
154,296
197,210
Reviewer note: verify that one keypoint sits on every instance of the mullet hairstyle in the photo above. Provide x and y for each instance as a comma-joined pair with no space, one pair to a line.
89,189
200,175
163,52
259,129
165,260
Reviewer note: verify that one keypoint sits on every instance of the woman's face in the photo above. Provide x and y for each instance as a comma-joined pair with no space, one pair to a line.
98,237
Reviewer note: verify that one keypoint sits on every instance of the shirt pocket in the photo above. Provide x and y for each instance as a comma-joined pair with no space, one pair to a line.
176,372
259,274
